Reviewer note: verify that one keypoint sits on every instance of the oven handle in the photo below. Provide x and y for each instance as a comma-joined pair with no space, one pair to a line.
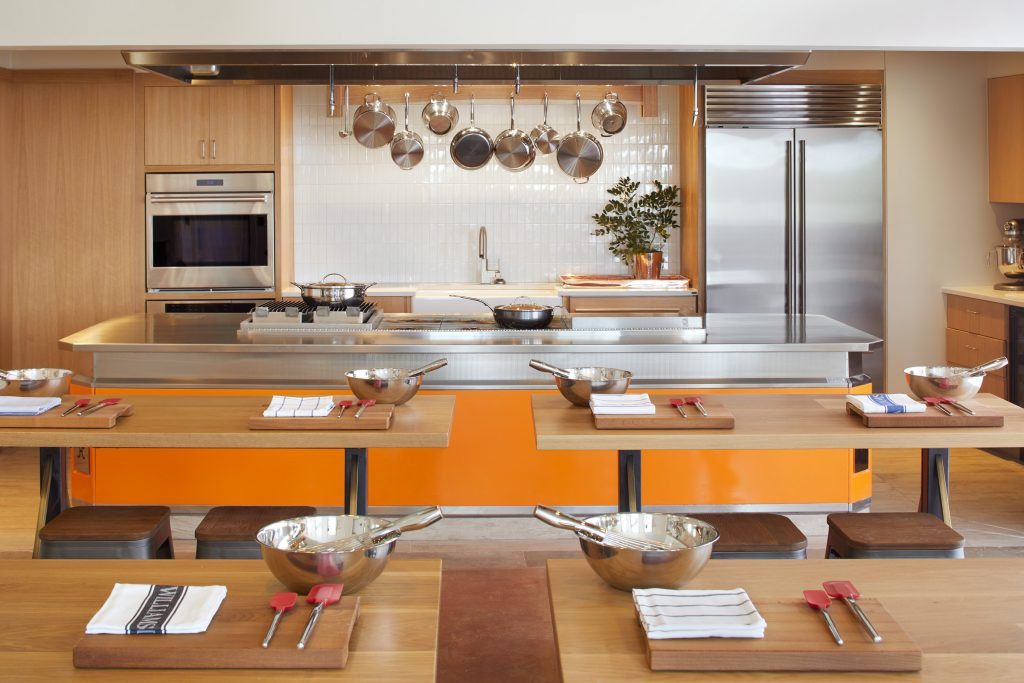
172,198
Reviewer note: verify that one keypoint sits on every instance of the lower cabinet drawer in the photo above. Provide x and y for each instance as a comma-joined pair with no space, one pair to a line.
968,350
639,305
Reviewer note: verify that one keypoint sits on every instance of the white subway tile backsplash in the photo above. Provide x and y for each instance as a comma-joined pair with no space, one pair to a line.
359,214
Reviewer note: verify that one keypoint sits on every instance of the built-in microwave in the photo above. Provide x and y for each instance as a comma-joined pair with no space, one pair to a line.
210,232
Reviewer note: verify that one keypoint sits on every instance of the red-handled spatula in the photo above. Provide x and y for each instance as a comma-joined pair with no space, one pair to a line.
80,403
363,405
820,601
678,404
102,404
281,603
848,593
342,405
321,595
937,402
696,401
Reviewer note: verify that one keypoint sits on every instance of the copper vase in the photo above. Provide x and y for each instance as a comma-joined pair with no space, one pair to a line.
647,266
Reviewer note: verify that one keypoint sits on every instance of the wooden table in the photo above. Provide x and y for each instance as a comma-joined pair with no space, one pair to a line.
221,422
793,422
395,636
964,614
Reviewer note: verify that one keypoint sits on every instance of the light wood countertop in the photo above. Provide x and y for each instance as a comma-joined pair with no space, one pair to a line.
964,614
395,636
799,421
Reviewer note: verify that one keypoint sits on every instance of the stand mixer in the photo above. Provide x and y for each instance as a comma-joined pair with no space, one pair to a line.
1011,256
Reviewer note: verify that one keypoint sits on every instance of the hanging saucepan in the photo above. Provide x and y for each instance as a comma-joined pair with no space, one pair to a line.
513,147
579,153
374,122
544,136
440,115
330,293
517,316
472,147
406,146
609,116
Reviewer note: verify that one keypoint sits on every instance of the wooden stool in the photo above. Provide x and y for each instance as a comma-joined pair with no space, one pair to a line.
108,532
755,536
880,535
229,532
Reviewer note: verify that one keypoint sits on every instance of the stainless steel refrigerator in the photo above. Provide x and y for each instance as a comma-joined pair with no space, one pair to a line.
793,224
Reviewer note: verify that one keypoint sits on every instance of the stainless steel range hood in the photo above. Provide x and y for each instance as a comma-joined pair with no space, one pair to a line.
487,66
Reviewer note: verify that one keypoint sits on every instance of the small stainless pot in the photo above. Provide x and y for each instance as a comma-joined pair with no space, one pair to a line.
579,154
389,385
373,124
407,146
440,115
35,382
514,148
325,293
544,136
609,116
471,147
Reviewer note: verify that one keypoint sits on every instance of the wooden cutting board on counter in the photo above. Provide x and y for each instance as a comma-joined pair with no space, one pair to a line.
931,417
233,641
796,640
104,418
375,417
667,417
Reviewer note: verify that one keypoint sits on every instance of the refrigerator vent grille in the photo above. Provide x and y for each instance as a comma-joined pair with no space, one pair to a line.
793,106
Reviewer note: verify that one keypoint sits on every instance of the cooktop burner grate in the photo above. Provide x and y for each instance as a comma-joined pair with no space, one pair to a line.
282,305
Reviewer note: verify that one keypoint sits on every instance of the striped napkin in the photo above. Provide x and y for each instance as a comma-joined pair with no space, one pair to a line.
885,403
666,613
299,406
621,404
27,405
146,608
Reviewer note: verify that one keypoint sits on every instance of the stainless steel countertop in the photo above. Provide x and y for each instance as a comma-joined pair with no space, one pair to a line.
219,332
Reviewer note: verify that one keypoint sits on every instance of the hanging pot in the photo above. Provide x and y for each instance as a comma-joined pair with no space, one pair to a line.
374,122
440,115
544,136
407,146
472,147
579,153
513,147
609,116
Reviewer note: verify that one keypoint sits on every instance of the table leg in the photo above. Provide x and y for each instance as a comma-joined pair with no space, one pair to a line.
629,482
53,488
355,481
934,495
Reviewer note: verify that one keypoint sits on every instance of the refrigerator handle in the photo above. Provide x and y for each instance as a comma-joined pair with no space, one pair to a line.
791,303
801,241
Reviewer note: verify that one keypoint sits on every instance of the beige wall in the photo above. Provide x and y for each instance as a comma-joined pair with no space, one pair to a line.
940,224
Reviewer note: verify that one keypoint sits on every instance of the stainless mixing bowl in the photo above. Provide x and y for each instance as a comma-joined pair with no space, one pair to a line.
301,570
628,569
384,385
928,381
582,382
35,382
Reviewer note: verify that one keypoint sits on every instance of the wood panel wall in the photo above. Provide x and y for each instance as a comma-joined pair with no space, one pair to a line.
691,190
6,207
75,244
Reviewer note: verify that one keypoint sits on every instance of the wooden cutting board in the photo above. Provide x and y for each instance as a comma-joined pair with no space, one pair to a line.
233,641
931,417
667,417
104,418
375,417
796,640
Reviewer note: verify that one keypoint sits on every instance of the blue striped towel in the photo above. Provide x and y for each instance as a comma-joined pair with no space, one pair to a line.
885,403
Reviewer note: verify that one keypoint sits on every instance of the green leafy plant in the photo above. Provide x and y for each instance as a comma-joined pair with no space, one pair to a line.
638,223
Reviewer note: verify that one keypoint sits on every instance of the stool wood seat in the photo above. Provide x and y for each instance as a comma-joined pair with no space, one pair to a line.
755,536
880,535
108,532
229,532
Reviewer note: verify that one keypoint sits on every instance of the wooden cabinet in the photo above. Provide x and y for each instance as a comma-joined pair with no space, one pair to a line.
1006,139
189,126
976,331
637,305
392,304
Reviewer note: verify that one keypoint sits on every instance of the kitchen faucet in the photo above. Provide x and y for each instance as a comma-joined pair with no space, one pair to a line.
487,276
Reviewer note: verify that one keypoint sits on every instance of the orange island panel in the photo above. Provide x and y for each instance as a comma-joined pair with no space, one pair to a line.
492,461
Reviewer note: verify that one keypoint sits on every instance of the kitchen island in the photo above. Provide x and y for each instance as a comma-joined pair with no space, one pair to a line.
491,465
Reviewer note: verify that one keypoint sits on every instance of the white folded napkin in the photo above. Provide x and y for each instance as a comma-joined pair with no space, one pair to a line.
666,613
147,608
885,403
299,406
621,404
27,405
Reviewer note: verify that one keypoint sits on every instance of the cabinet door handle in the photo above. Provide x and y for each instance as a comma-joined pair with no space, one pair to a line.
580,309
972,348
213,148
972,312
202,149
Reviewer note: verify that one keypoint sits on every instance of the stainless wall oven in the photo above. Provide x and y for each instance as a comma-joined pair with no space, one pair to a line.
210,232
